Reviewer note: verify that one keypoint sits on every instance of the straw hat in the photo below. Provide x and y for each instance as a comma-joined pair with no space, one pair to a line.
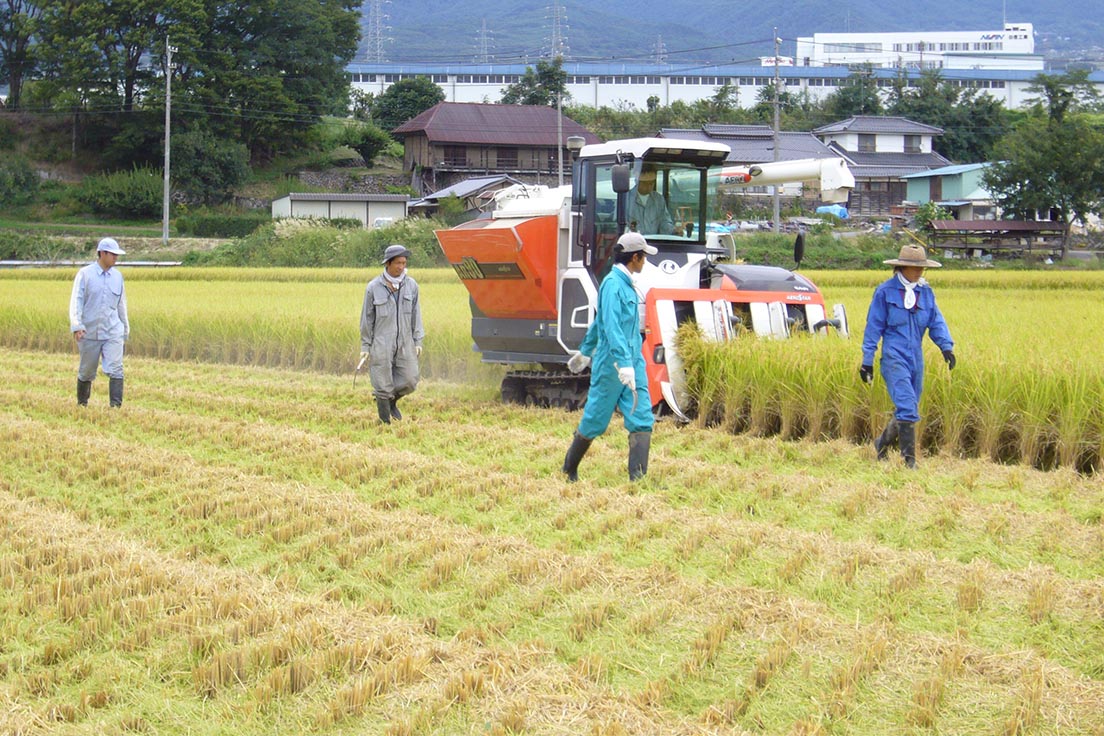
913,255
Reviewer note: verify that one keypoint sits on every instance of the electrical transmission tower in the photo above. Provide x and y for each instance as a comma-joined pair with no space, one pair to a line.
660,54
375,35
557,41
484,45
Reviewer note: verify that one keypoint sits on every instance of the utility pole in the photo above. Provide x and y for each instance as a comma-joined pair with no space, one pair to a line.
559,135
777,102
168,107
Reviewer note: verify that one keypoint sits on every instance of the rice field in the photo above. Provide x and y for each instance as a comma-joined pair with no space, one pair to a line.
243,549
1029,386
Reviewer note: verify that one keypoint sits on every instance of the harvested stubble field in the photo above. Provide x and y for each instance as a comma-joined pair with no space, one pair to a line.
242,549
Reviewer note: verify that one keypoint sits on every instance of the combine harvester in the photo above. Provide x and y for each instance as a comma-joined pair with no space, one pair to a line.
532,266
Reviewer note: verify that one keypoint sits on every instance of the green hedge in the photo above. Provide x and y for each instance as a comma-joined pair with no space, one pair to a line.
129,194
18,182
17,246
208,225
321,243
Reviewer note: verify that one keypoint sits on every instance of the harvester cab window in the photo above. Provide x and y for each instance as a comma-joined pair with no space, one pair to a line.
665,200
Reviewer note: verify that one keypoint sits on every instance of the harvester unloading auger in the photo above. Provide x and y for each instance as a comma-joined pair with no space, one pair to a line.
532,266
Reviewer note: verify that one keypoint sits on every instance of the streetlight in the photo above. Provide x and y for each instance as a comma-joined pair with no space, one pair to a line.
169,49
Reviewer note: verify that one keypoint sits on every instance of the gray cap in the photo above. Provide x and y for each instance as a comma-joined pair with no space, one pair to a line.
632,242
109,245
394,251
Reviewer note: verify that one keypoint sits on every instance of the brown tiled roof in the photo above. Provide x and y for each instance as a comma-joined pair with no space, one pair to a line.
501,125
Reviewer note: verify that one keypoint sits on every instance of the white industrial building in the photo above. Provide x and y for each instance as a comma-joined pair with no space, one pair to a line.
632,85
1012,47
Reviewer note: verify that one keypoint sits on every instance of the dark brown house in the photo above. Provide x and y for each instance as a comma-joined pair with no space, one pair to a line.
455,140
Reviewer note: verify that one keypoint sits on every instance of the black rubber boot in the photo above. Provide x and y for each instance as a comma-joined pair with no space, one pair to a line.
886,439
395,413
383,406
579,447
84,390
115,392
640,444
908,443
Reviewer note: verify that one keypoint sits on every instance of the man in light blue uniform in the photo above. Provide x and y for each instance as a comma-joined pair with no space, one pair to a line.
902,310
98,321
648,212
618,378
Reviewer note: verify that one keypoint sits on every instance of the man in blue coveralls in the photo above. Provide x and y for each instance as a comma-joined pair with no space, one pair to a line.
98,321
902,309
612,347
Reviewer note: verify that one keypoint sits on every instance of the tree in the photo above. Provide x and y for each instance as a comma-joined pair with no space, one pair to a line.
18,22
540,87
972,122
403,100
1050,165
859,96
208,168
764,103
104,48
1062,93
929,211
367,139
265,71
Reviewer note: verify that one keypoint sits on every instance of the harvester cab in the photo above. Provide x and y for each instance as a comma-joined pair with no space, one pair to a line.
532,268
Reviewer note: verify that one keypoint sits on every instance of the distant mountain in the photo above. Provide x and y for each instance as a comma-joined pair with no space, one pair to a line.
706,30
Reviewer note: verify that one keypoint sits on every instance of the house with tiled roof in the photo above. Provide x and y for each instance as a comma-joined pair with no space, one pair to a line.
959,188
455,140
754,144
880,150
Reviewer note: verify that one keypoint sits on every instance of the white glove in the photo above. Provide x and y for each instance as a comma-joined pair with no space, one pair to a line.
578,362
363,359
627,376
418,350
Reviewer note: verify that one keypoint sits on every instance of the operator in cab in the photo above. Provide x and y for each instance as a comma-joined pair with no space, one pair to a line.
618,377
648,211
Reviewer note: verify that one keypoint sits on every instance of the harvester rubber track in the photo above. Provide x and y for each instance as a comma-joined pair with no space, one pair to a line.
559,389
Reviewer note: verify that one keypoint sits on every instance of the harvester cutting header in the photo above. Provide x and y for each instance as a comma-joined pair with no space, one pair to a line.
533,265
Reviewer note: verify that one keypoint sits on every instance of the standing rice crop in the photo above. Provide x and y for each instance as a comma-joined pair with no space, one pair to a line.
1027,387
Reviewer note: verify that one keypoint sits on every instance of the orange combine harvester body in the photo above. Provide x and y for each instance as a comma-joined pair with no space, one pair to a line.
532,266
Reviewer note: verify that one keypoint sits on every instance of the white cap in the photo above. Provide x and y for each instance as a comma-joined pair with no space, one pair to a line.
109,245
632,242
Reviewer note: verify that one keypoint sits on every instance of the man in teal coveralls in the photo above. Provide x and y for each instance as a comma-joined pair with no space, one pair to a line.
618,378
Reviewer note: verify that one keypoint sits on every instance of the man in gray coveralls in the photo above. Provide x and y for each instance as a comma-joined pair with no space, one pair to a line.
391,333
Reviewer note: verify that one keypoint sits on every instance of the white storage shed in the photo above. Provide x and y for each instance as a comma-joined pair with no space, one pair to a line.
368,208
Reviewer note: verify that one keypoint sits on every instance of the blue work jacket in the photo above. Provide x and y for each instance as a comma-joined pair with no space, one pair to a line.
901,332
98,304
